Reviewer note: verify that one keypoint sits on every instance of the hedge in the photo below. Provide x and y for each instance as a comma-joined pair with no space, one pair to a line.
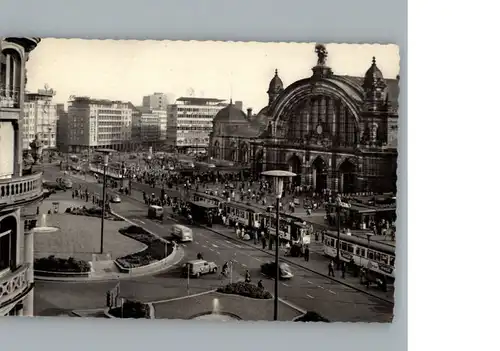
245,289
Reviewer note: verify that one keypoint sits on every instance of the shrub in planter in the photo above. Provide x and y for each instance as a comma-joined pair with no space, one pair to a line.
311,316
131,309
245,289
53,264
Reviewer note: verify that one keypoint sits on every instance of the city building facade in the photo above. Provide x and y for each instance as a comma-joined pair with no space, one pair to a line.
156,101
62,128
40,118
18,190
190,122
97,123
335,132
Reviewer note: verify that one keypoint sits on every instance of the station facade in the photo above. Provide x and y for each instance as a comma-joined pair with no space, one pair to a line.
335,132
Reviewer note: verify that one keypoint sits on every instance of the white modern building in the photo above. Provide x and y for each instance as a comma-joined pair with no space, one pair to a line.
18,192
189,122
40,118
97,123
153,126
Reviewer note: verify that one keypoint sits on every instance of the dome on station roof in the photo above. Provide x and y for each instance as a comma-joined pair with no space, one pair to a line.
372,76
276,84
230,113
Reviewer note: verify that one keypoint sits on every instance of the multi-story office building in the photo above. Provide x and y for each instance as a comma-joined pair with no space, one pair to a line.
40,118
153,126
18,192
156,101
189,122
62,128
96,123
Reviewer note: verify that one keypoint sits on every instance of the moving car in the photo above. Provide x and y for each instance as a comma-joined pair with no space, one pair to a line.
115,199
182,233
155,212
65,182
196,268
269,269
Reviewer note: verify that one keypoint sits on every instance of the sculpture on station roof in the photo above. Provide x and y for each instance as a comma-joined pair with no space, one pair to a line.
322,53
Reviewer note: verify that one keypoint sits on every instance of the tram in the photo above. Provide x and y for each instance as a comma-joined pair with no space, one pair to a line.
211,199
374,256
245,215
291,228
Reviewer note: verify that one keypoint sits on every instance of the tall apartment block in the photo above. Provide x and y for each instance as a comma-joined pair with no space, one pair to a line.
97,123
40,118
189,122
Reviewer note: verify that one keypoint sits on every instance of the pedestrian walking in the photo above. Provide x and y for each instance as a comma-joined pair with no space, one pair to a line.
306,254
331,271
343,270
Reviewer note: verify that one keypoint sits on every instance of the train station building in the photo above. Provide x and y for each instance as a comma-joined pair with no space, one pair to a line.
335,132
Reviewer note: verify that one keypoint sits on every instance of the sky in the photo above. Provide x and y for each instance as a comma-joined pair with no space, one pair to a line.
127,70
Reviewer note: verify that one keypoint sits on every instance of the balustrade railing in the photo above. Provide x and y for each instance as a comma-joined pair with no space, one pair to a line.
20,189
14,285
9,96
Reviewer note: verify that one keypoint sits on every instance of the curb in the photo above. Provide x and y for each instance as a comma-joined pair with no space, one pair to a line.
183,297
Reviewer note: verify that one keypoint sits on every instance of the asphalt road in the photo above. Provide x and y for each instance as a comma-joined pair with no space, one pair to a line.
307,290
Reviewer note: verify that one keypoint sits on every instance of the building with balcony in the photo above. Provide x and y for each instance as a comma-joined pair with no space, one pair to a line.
190,121
97,123
40,117
335,132
18,191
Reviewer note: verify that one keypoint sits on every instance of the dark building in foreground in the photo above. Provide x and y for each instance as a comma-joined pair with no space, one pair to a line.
334,132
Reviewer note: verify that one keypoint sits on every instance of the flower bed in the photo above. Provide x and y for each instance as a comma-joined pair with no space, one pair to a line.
53,264
130,309
311,316
245,289
91,212
155,250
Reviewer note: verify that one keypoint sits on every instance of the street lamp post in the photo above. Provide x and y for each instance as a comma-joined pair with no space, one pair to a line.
278,177
106,153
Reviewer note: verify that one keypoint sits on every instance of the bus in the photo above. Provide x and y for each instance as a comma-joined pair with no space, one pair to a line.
374,256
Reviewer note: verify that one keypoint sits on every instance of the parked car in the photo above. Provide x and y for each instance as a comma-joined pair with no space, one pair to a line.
115,199
197,268
269,269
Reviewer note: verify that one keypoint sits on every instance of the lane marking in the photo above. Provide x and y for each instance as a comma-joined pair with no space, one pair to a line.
138,220
285,284
205,246
309,282
319,286
218,253
196,242
238,246
244,265
235,261
214,245
309,296
211,249
333,292
256,258
227,241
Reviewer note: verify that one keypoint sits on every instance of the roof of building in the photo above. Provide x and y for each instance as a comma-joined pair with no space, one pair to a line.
230,113
276,84
198,100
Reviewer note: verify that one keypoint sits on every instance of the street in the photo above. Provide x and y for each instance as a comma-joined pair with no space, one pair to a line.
307,289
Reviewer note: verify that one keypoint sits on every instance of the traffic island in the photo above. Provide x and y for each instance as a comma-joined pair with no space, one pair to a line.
156,251
131,309
215,306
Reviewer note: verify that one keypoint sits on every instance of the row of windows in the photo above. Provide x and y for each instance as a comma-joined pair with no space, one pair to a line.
360,251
